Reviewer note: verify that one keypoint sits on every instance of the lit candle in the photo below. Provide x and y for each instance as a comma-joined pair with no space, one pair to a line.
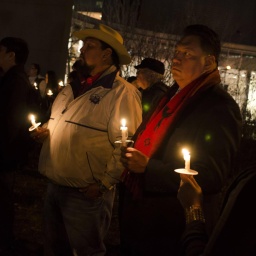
61,83
49,93
35,84
186,156
124,131
33,122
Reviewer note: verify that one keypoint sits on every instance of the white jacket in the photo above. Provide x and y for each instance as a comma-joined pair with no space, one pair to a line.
81,148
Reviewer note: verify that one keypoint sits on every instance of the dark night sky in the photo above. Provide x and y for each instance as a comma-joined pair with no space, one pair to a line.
234,20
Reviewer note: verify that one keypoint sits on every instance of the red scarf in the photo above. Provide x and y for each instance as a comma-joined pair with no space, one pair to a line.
86,84
151,138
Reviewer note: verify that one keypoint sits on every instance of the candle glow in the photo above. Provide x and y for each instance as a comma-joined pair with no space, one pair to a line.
33,122
49,93
61,83
124,131
186,156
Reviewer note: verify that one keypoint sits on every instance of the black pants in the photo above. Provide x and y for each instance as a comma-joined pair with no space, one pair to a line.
151,225
6,210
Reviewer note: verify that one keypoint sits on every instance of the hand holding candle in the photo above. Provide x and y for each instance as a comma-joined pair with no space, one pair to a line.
124,131
33,122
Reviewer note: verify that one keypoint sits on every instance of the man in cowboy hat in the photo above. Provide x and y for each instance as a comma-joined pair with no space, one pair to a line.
80,157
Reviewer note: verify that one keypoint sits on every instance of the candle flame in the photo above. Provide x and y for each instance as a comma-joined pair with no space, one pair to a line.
123,122
186,153
49,92
61,83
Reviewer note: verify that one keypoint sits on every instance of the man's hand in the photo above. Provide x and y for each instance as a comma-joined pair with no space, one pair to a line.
92,191
189,193
134,160
40,134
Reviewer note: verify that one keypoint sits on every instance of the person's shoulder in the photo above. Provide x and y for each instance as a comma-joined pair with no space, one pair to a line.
125,85
218,93
18,73
160,86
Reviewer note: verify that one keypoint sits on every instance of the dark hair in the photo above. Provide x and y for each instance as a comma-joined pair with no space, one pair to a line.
114,55
81,68
18,46
209,39
52,80
130,79
37,67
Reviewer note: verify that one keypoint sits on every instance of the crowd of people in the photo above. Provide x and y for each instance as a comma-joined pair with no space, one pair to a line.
84,154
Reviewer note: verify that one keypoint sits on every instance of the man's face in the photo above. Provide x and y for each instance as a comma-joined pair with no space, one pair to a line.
92,53
189,61
32,71
141,80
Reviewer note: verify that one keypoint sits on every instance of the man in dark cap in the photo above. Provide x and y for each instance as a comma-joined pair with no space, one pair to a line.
14,99
149,79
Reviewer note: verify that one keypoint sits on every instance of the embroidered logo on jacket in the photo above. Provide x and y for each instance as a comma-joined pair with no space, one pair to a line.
95,98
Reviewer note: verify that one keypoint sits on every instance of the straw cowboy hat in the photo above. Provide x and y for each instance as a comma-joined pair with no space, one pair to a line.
109,36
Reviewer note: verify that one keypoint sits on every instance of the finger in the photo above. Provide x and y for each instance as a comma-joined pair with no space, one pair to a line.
193,182
128,155
184,177
129,149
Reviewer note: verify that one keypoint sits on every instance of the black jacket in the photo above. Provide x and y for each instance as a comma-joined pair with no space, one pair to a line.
14,116
151,96
210,128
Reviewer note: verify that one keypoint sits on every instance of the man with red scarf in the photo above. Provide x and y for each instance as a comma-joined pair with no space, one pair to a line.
197,114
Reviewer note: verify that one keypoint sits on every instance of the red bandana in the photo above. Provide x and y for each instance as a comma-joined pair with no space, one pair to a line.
150,139
87,83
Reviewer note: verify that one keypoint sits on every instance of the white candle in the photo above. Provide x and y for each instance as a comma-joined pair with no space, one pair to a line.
186,156
33,120
49,93
124,131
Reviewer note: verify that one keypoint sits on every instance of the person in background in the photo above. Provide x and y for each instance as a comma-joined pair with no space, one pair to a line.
14,112
132,80
38,92
77,77
36,80
51,82
234,232
150,75
80,157
51,93
196,114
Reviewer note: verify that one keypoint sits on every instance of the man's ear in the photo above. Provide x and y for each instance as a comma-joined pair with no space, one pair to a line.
107,52
11,56
210,63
